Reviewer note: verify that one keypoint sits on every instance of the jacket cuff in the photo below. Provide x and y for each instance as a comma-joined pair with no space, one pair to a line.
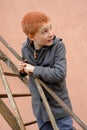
37,71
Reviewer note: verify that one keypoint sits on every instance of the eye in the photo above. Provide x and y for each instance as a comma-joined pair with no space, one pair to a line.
45,31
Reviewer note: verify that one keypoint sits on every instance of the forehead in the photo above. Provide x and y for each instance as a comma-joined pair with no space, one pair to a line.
45,26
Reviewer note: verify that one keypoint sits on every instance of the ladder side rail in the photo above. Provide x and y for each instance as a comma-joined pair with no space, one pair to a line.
64,106
10,48
11,99
8,116
8,62
47,107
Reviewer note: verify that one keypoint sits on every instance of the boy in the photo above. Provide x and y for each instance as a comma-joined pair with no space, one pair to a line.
44,57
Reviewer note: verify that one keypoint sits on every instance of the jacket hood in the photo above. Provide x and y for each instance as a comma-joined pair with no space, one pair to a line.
55,40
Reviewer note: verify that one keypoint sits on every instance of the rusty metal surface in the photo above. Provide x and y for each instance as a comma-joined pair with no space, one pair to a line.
11,99
8,116
69,21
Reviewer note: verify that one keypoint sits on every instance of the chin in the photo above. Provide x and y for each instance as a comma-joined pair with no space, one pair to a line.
49,44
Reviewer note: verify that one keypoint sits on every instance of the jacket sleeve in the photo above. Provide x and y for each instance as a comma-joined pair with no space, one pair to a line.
58,72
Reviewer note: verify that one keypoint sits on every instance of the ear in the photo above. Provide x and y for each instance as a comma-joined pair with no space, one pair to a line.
30,37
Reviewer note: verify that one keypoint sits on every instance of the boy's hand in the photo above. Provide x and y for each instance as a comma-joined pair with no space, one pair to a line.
21,66
25,67
29,68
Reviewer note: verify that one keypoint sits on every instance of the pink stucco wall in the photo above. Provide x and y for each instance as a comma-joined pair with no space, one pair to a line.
69,18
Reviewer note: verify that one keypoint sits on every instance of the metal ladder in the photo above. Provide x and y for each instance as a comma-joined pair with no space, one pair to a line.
14,120
17,118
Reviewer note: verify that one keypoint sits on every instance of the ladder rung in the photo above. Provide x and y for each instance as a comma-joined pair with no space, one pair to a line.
11,74
14,95
30,123
3,58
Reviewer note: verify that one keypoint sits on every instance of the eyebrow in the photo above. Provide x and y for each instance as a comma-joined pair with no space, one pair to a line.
46,27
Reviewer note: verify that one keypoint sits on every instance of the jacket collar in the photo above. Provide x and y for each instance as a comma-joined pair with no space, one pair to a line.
30,43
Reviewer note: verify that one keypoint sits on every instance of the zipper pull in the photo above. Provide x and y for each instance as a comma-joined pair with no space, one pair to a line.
35,54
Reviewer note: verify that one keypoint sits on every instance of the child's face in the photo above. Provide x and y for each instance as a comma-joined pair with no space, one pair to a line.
44,36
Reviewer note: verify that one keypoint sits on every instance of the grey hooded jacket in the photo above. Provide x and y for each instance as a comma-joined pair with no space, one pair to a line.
50,67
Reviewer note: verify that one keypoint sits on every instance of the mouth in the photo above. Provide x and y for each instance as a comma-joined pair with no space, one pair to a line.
50,40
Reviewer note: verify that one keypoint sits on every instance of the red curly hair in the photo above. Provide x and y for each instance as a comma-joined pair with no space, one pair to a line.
32,21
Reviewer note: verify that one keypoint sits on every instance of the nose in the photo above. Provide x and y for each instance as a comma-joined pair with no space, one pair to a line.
50,33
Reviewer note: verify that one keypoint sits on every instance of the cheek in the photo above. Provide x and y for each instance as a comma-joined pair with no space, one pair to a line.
43,40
